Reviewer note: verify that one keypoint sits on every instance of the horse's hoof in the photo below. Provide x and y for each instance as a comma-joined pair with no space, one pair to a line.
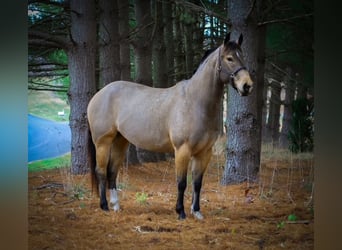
116,207
197,214
104,207
182,216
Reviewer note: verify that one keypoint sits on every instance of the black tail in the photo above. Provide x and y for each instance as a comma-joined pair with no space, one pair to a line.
92,162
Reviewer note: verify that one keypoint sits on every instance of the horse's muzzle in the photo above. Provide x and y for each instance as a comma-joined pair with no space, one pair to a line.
246,89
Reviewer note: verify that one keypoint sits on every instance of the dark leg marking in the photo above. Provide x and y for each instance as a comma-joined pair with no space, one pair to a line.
197,185
102,189
180,199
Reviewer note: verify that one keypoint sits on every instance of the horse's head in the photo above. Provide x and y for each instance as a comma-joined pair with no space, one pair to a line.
231,66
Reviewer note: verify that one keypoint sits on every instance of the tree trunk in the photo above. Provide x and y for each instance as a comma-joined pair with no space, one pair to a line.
159,50
243,142
81,56
260,79
198,39
287,115
125,55
168,40
266,136
179,51
142,43
275,112
109,47
131,154
188,44
301,91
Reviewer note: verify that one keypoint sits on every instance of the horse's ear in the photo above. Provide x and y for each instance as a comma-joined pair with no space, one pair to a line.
227,39
240,40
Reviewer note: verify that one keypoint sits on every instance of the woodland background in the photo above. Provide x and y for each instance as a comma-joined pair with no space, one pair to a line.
76,47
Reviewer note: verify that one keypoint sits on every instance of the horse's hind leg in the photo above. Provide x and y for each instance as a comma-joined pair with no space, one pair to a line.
102,159
199,165
118,153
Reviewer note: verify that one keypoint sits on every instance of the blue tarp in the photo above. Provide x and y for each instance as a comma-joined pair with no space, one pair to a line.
47,139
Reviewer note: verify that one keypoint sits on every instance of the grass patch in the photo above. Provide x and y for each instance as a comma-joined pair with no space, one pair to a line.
46,104
52,163
141,198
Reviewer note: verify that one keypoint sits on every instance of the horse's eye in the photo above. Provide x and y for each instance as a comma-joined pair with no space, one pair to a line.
230,59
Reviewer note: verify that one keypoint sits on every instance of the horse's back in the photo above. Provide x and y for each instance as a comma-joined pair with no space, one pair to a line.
140,113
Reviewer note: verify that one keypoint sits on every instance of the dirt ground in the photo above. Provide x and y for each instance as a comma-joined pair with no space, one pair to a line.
65,214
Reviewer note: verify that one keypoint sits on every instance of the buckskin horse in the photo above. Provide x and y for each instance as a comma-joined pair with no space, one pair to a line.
183,119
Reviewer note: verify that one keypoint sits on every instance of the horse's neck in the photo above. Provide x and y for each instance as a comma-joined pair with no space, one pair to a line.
206,86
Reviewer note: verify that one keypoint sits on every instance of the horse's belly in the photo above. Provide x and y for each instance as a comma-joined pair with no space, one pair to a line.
151,143
156,146
149,139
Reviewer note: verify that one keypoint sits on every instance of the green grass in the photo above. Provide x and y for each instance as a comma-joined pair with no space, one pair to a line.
58,162
46,104
141,198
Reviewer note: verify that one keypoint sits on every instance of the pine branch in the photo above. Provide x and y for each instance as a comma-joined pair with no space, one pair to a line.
285,19
64,4
51,64
282,71
250,10
46,87
271,7
42,38
206,11
46,66
45,73
43,43
136,31
62,19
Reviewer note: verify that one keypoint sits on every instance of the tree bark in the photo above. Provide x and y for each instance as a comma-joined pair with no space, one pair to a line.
125,54
81,56
188,44
168,40
287,115
266,136
260,79
109,47
143,43
243,142
159,50
301,90
274,114
131,154
198,37
179,52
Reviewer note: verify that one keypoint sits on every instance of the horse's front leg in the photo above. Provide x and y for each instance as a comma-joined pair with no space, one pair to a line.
182,158
199,165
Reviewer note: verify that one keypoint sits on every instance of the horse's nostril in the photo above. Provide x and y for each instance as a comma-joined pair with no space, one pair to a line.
246,87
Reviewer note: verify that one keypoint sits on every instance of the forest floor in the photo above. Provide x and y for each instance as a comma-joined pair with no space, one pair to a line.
275,213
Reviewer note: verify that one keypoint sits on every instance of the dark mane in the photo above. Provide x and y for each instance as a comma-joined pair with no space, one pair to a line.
233,46
230,45
206,54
